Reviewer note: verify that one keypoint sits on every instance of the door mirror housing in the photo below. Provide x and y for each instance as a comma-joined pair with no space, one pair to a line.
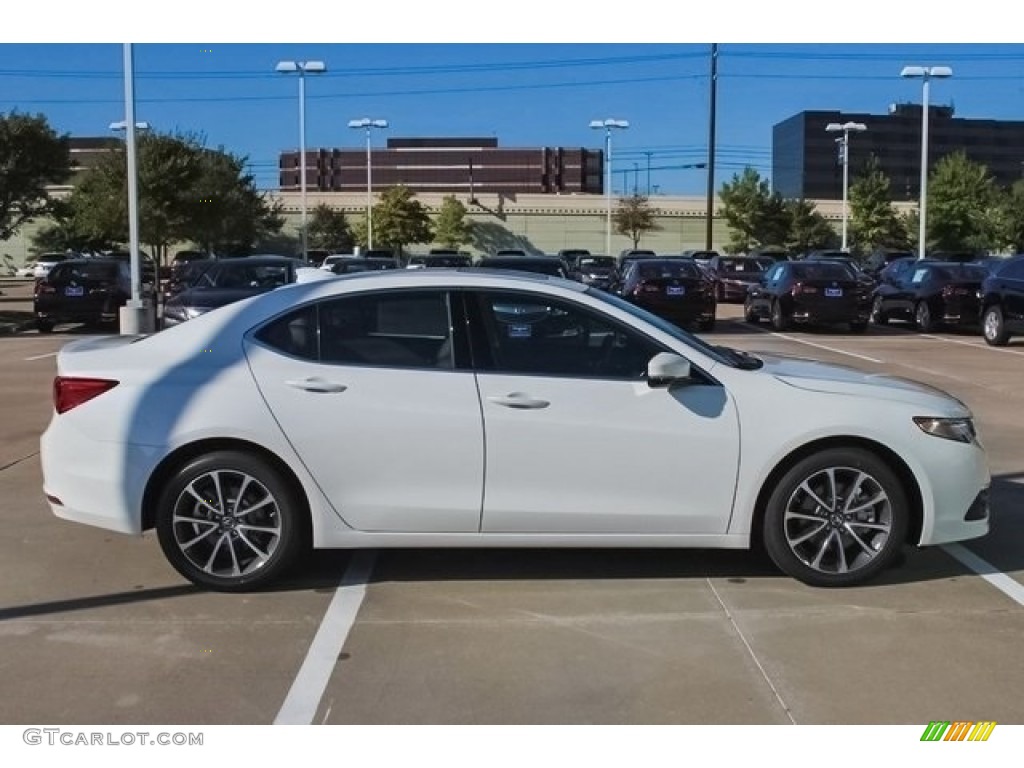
667,368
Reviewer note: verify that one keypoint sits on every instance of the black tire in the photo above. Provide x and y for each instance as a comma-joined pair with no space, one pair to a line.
779,320
750,315
923,317
706,325
230,550
878,315
860,326
832,547
44,326
993,327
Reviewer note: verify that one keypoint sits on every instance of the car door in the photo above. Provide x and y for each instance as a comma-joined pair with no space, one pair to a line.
1010,283
577,442
761,293
365,388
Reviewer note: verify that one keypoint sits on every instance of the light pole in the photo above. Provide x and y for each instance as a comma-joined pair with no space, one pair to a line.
926,74
844,145
607,124
132,317
130,321
367,123
302,67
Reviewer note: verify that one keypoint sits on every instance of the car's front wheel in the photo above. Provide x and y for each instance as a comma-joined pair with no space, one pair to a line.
228,521
836,518
993,327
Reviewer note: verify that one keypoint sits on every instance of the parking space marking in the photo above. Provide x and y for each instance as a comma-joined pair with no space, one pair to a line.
987,571
300,705
971,344
823,346
40,357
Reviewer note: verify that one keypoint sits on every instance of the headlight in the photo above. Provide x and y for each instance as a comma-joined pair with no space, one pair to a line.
960,430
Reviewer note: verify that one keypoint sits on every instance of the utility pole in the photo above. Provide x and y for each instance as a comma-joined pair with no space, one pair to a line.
711,148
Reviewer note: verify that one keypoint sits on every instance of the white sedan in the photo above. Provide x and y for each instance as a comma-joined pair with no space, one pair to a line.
439,408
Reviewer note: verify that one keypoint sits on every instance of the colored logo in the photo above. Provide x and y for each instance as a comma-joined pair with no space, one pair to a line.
959,730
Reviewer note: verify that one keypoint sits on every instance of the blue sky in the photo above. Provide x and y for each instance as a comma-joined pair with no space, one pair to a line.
524,93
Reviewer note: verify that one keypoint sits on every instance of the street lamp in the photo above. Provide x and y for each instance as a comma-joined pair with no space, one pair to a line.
607,124
844,145
302,67
926,74
367,123
130,320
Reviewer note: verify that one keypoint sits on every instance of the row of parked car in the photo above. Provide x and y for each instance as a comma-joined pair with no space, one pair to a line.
824,287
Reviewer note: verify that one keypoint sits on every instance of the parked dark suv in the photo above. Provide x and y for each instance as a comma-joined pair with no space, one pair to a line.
1002,302
86,290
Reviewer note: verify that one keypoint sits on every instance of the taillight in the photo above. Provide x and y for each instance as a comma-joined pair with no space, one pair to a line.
44,287
71,391
955,290
647,288
801,288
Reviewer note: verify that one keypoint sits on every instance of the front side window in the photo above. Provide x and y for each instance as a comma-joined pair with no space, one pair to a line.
530,334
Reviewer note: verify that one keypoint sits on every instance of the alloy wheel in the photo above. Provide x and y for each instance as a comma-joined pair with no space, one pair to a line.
838,520
226,523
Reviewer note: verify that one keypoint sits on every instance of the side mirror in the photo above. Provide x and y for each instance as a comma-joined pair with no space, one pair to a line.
666,368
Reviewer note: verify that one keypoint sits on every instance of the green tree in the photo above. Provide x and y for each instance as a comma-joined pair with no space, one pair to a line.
874,222
808,229
1012,219
452,229
63,232
963,205
186,193
634,217
32,156
399,220
227,214
755,215
329,229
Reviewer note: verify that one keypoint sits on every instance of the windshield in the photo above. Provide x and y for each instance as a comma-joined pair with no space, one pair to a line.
597,262
721,355
745,265
654,269
823,270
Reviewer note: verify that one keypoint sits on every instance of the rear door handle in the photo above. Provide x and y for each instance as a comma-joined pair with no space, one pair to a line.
518,400
316,384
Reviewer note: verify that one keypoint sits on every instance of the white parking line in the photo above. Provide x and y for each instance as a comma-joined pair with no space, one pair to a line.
300,705
822,346
976,346
40,357
988,572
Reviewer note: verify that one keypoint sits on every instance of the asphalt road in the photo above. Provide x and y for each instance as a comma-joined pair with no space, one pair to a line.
95,627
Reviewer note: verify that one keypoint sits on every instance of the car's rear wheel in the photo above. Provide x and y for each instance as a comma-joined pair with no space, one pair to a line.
837,518
779,320
878,315
859,326
44,326
707,324
993,327
228,521
923,317
750,315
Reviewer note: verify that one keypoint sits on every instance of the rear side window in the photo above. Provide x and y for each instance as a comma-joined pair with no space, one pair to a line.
83,271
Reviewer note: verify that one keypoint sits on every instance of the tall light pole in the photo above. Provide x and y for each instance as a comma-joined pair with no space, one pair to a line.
607,124
844,146
368,124
926,74
133,317
302,67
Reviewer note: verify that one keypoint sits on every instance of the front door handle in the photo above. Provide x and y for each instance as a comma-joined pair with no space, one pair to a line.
518,400
316,384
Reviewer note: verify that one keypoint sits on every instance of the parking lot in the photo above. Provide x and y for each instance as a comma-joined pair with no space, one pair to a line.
96,627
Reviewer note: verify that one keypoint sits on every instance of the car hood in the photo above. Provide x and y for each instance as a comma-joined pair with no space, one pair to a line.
817,376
